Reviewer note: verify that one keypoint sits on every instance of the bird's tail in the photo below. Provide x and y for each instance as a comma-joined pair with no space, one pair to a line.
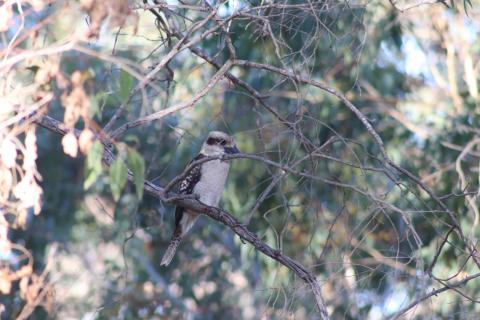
172,248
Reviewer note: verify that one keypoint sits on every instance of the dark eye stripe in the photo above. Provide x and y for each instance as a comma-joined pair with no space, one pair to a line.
212,141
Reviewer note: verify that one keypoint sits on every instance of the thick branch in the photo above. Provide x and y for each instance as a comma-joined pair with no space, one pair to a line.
216,214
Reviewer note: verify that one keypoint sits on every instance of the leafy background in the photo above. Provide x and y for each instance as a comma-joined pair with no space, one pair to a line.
412,69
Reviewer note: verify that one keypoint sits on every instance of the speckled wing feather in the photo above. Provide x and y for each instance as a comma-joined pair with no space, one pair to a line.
187,185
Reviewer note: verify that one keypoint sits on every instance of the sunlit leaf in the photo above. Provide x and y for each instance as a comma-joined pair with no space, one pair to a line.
93,164
126,84
70,144
8,153
94,107
118,177
137,165
85,140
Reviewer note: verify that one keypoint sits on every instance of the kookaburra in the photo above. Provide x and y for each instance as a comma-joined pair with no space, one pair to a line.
206,181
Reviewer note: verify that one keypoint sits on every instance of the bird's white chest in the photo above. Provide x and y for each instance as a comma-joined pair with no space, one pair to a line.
212,182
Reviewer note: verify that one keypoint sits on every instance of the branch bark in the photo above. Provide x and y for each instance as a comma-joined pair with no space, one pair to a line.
215,213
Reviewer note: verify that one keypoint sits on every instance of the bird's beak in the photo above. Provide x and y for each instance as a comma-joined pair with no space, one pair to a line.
232,150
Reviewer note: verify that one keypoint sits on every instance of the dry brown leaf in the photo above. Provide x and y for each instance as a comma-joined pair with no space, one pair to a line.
7,107
76,103
76,78
30,154
62,81
34,288
70,145
5,282
85,141
49,301
5,244
98,12
41,76
24,271
29,193
118,11
6,15
8,153
47,71
6,182
23,287
38,5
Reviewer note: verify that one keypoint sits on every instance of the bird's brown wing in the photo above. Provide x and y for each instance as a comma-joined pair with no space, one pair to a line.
187,185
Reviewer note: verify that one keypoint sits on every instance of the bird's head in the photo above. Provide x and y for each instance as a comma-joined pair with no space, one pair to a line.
219,143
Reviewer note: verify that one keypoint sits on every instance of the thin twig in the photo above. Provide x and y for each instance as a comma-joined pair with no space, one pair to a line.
432,293
165,112
216,214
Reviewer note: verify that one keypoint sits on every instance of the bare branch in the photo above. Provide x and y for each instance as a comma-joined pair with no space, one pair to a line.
218,215
165,112
432,293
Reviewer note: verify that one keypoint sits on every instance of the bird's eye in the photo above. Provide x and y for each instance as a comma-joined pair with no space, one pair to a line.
223,142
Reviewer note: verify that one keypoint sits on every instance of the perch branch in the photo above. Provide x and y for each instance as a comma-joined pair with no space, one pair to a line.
215,213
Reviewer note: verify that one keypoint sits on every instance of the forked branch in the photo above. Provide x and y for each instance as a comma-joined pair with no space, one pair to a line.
216,214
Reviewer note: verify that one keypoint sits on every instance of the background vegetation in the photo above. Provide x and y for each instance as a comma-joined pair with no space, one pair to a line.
362,119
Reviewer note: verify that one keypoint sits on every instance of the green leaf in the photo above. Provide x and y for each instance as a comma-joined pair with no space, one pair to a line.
126,85
94,107
97,102
132,139
118,177
137,165
93,164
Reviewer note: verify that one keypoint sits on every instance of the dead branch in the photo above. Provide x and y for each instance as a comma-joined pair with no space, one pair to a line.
216,214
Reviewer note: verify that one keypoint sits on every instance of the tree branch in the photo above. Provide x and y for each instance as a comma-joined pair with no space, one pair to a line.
164,112
433,293
378,140
214,213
